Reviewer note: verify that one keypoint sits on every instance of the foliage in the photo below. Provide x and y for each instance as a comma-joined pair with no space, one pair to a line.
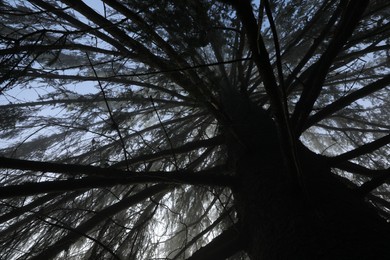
135,92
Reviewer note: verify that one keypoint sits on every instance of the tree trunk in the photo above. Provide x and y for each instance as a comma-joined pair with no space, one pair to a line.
323,219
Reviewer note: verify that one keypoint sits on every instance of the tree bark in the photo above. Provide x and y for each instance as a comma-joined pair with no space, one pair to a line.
278,219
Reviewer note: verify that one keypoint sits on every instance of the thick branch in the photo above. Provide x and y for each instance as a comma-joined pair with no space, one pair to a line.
364,149
274,91
260,54
345,101
358,169
181,177
101,177
313,86
374,182
223,246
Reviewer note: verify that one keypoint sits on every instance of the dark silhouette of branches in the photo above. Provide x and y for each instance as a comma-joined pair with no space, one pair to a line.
348,99
83,228
313,85
364,149
205,129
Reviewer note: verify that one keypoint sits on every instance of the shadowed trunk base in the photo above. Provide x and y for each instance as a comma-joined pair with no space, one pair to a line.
324,221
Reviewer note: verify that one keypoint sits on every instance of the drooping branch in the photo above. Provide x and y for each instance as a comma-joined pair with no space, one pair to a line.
29,218
88,225
97,242
21,210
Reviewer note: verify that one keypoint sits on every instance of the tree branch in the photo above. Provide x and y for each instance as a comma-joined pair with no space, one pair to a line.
187,147
35,48
86,226
43,210
310,52
364,149
358,169
374,183
223,246
102,177
345,101
353,12
203,232
82,26
274,91
21,210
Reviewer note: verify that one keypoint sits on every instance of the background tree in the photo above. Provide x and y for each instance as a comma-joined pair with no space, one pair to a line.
194,129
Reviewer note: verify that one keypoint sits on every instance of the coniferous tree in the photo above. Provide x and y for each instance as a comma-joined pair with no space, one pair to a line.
194,129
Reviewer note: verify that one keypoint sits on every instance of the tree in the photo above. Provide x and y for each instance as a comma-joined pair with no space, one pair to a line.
195,129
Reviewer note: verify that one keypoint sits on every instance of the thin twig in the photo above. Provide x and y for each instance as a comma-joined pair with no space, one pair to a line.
114,123
166,134
61,225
